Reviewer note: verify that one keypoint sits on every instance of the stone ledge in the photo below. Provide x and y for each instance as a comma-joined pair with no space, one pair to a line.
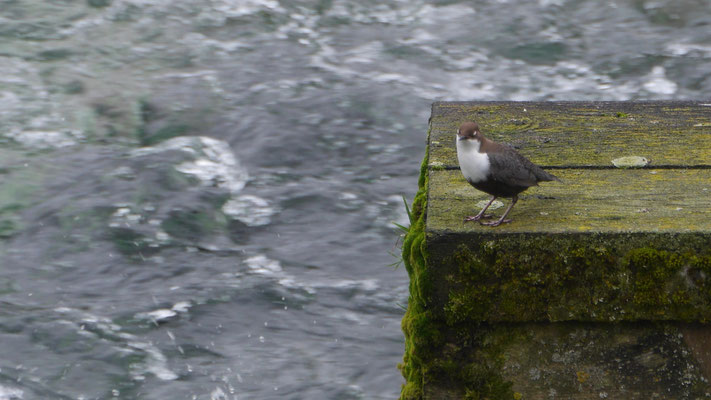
606,244
600,286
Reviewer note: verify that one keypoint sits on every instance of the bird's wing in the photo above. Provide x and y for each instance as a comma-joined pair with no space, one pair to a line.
511,168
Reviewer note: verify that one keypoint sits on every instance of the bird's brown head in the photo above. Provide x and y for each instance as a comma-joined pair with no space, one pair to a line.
469,131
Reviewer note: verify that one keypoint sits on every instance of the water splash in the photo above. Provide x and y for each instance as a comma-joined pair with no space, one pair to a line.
151,360
249,209
658,83
8,393
213,162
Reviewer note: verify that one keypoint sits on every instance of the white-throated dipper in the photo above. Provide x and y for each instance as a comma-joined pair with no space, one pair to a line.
496,169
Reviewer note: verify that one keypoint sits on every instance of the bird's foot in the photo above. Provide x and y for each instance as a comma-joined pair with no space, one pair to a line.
495,223
477,217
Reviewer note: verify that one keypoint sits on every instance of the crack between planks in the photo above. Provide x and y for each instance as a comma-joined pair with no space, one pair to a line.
662,166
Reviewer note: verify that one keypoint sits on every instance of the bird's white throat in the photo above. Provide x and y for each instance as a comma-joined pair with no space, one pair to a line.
474,165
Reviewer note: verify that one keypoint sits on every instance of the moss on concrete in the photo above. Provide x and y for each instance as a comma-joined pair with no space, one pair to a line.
421,335
564,134
623,277
581,296
434,351
575,360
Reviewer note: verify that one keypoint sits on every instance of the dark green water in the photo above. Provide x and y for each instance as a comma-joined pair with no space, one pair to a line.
197,197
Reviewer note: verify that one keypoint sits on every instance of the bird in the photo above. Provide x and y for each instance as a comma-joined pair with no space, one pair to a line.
496,169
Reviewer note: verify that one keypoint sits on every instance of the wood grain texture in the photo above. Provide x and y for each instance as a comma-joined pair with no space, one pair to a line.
577,141
639,200
581,134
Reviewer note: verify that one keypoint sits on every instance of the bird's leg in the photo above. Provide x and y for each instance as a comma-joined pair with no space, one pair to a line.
502,220
481,213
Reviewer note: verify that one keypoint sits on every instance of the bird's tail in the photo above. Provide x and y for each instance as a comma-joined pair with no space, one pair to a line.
547,177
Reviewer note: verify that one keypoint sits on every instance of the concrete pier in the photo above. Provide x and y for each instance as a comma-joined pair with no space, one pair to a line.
601,285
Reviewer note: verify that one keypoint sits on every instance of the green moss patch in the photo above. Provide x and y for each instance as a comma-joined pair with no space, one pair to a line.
440,359
610,278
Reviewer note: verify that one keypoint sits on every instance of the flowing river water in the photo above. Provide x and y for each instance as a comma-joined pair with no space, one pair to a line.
198,198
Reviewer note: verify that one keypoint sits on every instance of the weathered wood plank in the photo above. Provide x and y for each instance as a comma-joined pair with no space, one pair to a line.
635,200
579,134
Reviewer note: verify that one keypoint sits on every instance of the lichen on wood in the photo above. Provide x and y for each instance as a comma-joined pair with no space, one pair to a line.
598,286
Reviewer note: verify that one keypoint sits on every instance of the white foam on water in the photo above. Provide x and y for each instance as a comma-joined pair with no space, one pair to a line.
182,306
367,53
145,3
217,165
218,394
363,284
436,15
203,73
469,74
303,27
29,113
8,102
547,3
351,317
165,313
347,196
682,49
44,139
157,315
8,393
161,236
250,210
200,41
154,361
214,164
262,265
246,7
658,82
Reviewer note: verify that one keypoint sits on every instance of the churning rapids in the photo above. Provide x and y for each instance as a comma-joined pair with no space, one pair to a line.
197,197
